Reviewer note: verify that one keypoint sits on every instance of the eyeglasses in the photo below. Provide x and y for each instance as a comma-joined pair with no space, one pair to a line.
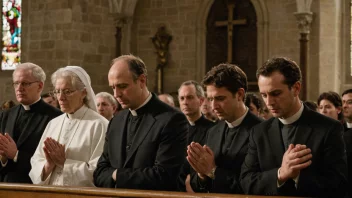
65,92
23,84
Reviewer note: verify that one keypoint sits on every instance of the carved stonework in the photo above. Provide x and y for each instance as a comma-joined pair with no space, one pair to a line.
304,20
161,41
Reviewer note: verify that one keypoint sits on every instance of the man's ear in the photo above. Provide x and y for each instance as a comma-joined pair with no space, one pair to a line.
296,88
241,94
143,79
201,100
41,86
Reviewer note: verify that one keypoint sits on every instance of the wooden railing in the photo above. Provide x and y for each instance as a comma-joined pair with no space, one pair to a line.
36,191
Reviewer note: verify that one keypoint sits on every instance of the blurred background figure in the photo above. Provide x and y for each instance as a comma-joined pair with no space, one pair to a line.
311,105
106,105
167,98
51,100
8,104
330,104
265,113
207,111
254,104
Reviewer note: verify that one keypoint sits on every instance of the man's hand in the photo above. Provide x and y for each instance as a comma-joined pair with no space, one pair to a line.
201,159
114,175
55,151
188,184
8,146
294,160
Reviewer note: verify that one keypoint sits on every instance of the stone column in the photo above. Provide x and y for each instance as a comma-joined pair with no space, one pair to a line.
123,35
304,19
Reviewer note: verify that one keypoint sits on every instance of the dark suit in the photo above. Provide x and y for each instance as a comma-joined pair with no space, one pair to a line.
348,143
326,176
41,114
154,159
196,133
228,164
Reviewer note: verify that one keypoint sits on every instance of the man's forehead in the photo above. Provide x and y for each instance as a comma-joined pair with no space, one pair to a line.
187,90
348,95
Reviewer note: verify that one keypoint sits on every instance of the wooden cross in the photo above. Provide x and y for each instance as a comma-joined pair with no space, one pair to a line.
230,23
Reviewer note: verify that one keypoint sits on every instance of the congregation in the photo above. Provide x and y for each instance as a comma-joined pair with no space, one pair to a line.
219,139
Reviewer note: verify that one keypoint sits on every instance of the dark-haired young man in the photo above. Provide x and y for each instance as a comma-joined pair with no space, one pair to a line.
218,162
299,152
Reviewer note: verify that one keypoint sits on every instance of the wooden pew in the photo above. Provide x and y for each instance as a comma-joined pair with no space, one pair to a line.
36,191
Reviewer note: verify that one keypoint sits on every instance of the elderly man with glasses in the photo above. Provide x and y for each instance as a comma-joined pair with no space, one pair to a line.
22,126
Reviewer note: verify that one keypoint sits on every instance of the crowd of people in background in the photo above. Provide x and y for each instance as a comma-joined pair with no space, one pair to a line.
218,139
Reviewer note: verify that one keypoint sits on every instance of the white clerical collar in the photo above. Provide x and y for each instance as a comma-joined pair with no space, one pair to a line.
294,117
349,125
27,107
78,114
134,112
238,121
192,123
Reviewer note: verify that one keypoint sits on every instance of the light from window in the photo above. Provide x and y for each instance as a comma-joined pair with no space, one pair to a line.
11,33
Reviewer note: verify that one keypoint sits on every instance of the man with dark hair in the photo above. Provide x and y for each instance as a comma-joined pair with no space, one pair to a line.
299,152
146,142
347,136
49,99
191,97
347,108
218,162
253,103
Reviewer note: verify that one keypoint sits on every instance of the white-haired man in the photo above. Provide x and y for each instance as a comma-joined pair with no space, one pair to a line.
106,104
22,126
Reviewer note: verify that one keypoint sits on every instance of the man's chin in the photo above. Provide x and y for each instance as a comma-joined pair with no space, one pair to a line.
23,101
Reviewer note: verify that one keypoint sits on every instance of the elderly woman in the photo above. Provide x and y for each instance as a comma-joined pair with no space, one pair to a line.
73,142
330,104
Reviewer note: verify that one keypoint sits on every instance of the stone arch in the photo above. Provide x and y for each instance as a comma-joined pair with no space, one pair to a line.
262,35
122,8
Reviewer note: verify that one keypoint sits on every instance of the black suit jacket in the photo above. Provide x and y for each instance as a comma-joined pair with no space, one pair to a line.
228,165
27,142
157,153
199,133
326,176
347,136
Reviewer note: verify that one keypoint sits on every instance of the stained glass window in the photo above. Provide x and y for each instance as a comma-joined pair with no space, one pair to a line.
11,34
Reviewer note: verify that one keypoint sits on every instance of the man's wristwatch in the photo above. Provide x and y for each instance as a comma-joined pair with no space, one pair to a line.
211,175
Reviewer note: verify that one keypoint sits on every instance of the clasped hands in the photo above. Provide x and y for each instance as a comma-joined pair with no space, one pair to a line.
54,153
294,160
201,158
8,147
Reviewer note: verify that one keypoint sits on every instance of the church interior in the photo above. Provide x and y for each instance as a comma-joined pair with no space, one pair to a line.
90,33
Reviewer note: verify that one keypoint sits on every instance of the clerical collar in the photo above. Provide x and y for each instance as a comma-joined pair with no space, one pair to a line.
349,125
238,121
195,122
134,112
78,114
294,117
28,107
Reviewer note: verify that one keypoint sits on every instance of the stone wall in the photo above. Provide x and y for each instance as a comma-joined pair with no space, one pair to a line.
180,17
66,32
81,32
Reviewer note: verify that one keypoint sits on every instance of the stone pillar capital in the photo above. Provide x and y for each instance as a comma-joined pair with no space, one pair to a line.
120,21
304,20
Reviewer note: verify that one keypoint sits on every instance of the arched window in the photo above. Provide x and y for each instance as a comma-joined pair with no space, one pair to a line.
11,34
